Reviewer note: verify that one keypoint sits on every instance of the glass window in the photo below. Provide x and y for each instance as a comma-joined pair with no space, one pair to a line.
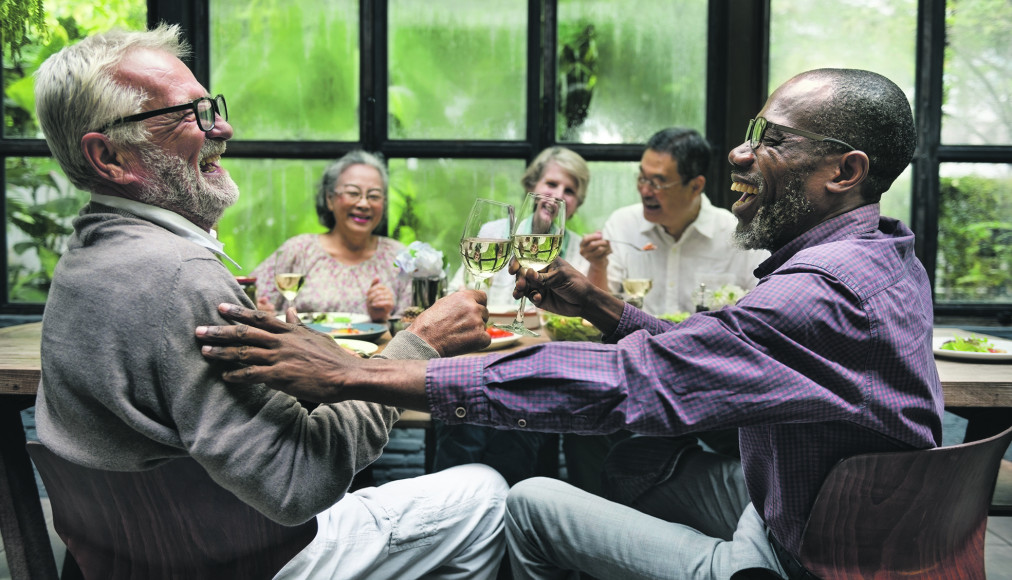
41,203
978,73
276,202
612,185
809,34
430,198
627,69
458,69
290,70
974,234
68,21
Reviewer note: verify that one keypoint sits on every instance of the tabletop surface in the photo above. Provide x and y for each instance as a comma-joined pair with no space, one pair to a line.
967,384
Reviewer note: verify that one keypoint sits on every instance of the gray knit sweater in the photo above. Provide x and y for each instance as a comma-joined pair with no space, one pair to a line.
124,386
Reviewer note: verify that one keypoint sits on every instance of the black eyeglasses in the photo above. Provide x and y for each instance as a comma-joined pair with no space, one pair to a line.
204,110
757,129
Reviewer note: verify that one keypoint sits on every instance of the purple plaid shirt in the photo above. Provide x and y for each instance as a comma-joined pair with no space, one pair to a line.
829,356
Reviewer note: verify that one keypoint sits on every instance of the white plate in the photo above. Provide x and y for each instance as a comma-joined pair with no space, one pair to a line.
331,319
503,342
1005,345
366,349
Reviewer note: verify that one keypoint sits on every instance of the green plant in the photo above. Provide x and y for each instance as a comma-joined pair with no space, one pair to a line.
974,248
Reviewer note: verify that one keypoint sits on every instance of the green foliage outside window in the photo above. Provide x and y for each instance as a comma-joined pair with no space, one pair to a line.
39,202
975,240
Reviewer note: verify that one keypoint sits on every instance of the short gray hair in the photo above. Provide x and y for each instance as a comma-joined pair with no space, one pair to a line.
333,172
76,93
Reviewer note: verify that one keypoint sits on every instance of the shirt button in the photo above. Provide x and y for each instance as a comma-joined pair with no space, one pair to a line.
522,423
460,412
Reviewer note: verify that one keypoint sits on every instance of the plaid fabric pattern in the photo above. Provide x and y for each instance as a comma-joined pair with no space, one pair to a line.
829,356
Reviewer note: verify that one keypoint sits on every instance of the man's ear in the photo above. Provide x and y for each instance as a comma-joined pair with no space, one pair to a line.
851,171
107,162
698,183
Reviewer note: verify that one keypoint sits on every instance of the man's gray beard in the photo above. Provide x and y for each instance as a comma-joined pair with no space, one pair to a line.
777,223
175,186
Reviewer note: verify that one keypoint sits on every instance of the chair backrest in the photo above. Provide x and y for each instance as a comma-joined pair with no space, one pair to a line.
908,514
172,521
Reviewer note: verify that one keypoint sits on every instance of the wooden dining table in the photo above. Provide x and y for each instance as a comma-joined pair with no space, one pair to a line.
978,390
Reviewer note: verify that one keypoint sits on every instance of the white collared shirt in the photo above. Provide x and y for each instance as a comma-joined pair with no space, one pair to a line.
167,219
705,253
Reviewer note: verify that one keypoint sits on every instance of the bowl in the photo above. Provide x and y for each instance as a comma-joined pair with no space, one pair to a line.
569,328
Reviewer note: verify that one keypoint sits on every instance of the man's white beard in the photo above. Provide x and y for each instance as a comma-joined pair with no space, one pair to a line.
776,222
176,186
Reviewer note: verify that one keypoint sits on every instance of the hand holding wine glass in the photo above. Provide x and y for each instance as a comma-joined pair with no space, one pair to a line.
537,240
485,244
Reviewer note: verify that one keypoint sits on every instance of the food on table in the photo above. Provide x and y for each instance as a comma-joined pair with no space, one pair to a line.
345,331
570,328
410,314
326,318
674,317
494,332
971,344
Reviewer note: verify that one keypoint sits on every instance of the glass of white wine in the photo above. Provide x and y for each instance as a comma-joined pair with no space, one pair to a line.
485,244
288,280
537,240
635,289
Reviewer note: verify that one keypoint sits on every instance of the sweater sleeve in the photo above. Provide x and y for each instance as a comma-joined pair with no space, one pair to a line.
288,462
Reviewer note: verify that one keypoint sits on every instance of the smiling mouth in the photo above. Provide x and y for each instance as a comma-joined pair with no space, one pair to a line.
748,192
210,164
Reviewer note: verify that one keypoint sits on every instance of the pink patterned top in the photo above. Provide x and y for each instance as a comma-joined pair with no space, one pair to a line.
331,286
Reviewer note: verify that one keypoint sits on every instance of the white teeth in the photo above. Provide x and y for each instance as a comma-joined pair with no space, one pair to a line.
744,188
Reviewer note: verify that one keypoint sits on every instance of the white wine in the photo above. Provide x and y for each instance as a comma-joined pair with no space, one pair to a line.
637,287
484,256
289,283
536,250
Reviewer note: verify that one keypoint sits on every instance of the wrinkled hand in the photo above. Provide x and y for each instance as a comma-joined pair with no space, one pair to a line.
561,289
454,324
287,356
595,249
379,301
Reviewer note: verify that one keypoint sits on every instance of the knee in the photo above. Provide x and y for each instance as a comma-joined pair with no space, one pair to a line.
481,478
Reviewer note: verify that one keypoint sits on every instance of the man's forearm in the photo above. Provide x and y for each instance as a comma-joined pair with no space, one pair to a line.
398,383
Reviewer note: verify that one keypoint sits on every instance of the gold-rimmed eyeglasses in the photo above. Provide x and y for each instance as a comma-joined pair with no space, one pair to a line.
354,194
757,129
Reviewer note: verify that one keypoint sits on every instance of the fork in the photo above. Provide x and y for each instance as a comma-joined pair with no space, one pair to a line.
644,248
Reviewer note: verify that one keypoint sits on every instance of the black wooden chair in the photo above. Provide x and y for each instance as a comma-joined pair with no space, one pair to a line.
172,521
909,514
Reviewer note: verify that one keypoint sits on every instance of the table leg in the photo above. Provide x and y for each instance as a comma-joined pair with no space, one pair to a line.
22,523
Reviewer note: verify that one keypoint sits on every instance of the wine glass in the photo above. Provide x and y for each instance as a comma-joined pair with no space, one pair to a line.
537,240
485,244
636,289
288,279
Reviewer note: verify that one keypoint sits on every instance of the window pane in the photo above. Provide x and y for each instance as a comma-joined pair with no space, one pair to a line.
612,185
430,198
808,34
276,202
41,203
288,69
978,73
974,234
68,22
458,69
628,69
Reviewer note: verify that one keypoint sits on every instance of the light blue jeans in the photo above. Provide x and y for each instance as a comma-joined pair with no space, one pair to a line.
446,525
556,531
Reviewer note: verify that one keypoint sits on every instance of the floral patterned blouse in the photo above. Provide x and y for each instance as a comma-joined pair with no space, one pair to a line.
330,285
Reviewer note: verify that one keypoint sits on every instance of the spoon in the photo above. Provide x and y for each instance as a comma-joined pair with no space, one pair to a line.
644,248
